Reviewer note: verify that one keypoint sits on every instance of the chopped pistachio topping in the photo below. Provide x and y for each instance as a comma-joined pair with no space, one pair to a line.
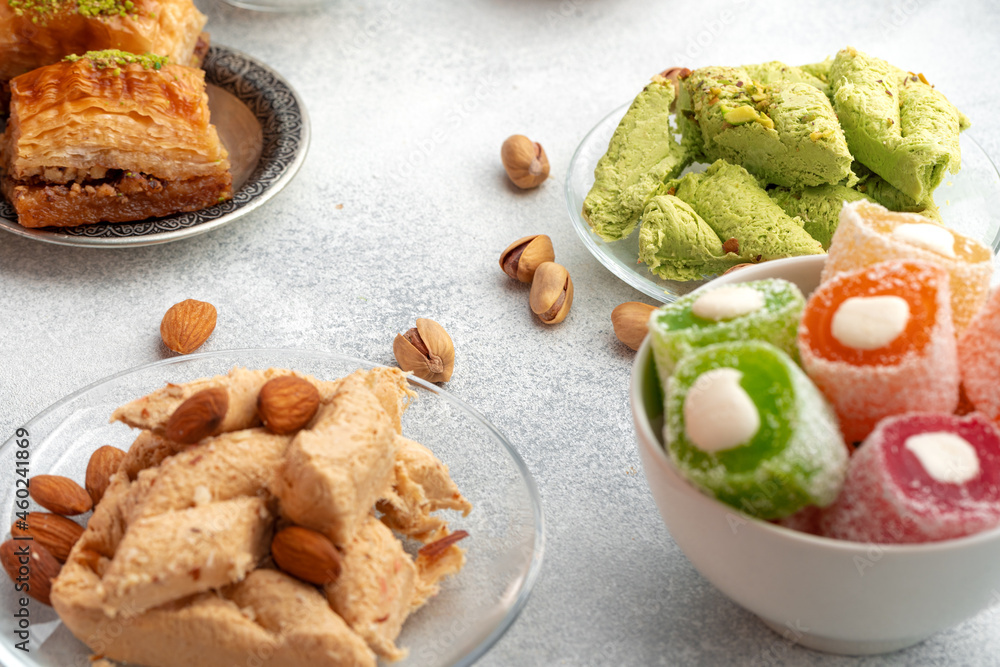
89,8
740,115
115,60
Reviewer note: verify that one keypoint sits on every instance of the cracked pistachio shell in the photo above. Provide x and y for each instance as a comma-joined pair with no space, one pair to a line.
524,255
426,351
551,293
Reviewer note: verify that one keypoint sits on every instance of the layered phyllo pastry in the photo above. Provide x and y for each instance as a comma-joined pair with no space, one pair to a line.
35,33
110,137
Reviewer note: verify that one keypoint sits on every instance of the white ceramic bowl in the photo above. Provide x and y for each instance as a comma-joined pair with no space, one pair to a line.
831,595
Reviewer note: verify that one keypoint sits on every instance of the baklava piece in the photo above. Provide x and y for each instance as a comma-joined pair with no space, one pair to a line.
110,137
35,33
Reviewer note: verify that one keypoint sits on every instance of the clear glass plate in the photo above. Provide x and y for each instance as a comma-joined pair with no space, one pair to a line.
968,201
457,627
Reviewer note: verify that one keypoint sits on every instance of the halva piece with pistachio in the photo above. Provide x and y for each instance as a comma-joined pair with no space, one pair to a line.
896,124
642,153
784,132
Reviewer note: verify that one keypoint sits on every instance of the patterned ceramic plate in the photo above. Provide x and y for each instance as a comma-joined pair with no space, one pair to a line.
264,126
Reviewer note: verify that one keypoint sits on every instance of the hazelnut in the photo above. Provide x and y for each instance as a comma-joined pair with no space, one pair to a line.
551,293
425,350
525,161
523,256
630,321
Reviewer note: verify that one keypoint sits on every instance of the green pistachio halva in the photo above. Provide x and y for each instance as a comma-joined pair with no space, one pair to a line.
895,123
790,145
818,207
777,71
735,206
820,70
882,192
675,243
785,132
642,154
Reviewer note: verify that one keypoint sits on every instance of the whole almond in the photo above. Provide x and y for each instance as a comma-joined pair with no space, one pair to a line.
59,494
188,324
287,403
38,569
56,533
306,554
199,416
103,464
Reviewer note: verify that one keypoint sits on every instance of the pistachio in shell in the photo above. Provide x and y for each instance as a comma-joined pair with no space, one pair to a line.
525,161
551,293
426,350
523,256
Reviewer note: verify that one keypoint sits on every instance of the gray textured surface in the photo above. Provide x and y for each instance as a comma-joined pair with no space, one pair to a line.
410,103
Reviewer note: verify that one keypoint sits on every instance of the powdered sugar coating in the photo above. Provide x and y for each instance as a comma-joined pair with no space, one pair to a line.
921,378
864,237
676,331
979,359
797,457
889,497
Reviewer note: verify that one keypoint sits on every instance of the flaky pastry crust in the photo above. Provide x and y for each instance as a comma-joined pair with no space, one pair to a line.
30,39
88,142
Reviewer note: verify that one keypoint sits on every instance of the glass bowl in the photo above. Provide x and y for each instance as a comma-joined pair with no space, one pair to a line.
967,201
457,627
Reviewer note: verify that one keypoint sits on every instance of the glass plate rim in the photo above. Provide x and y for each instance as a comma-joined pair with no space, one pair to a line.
535,566
585,234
